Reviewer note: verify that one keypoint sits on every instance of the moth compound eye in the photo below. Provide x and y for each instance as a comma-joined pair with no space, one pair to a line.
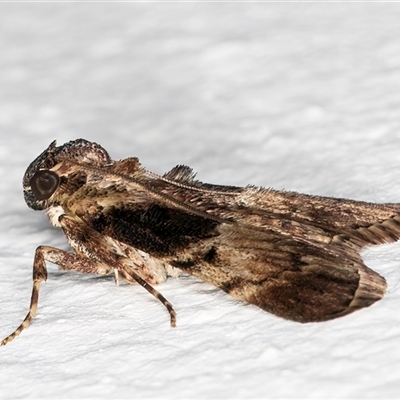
44,183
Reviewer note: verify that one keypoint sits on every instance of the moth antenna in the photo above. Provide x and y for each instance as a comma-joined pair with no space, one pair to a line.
133,278
31,313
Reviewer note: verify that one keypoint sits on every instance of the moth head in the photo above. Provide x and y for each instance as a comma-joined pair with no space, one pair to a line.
41,182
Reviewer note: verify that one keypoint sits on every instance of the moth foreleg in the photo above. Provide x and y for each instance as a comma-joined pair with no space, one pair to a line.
115,256
62,258
132,277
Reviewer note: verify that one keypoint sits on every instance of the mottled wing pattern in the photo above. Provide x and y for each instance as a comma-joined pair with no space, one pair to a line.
292,279
288,257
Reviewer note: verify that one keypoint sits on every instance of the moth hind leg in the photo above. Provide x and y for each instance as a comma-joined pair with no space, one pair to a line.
131,277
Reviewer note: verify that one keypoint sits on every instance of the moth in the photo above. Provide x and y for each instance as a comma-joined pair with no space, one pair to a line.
291,254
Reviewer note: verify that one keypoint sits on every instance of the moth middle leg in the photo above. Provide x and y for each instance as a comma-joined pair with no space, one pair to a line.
70,261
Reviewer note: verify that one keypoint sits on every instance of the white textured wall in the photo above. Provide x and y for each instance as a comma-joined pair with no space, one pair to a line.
290,95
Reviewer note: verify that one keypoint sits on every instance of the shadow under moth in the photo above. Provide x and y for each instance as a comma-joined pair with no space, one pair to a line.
291,254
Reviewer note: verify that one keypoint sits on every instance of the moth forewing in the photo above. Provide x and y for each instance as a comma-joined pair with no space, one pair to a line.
294,255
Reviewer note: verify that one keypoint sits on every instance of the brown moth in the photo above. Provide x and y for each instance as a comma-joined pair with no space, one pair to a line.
294,255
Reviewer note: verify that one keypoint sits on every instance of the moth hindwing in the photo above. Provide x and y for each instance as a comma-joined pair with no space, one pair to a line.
294,255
